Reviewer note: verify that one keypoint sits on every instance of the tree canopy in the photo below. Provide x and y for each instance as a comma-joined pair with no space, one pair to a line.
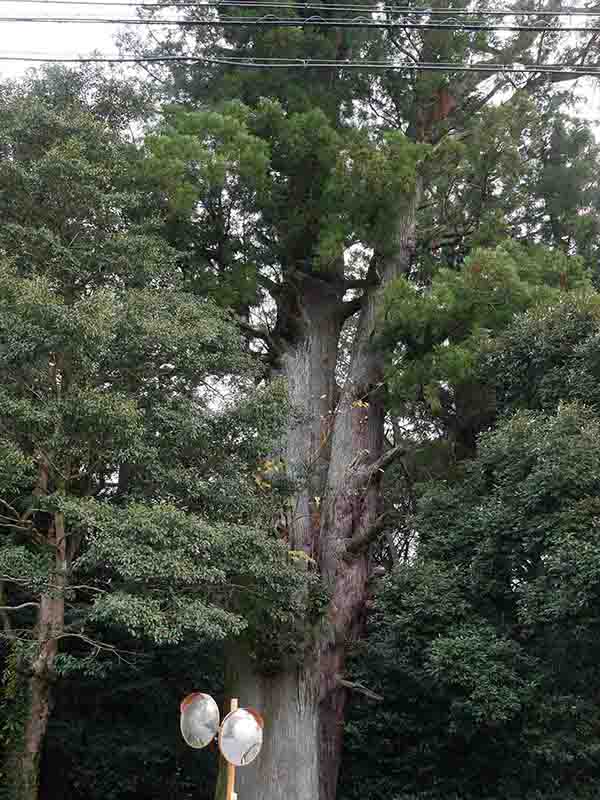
298,405
122,514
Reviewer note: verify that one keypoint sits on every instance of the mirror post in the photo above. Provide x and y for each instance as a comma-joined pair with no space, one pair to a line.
240,733
230,794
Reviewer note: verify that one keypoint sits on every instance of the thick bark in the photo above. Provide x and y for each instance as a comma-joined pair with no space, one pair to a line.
309,368
39,696
329,449
287,768
353,505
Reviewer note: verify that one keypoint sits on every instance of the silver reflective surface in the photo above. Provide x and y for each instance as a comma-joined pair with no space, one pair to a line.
241,736
199,719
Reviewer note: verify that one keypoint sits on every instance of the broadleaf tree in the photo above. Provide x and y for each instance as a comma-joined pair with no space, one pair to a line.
484,639
129,503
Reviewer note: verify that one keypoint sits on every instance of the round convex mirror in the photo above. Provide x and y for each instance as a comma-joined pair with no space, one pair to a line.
199,719
241,736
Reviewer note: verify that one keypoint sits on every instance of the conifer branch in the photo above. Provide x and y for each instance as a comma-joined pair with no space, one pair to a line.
365,536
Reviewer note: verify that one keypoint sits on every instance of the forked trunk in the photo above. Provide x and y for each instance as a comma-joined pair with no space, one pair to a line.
332,451
352,512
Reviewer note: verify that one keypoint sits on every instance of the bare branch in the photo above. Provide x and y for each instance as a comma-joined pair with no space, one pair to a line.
84,586
20,581
101,646
366,473
13,510
19,607
258,333
6,524
389,456
358,687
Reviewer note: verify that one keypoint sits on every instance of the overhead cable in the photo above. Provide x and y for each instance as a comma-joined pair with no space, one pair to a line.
312,6
575,70
315,21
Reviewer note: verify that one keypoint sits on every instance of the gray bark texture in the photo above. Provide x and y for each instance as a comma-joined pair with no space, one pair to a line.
333,445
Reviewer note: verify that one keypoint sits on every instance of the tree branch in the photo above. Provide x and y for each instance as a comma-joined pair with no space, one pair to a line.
17,608
365,536
351,307
10,508
270,285
366,473
394,553
363,474
98,646
11,524
258,333
358,283
358,687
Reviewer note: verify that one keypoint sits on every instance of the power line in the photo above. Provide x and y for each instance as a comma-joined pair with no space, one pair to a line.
370,9
296,22
576,70
549,69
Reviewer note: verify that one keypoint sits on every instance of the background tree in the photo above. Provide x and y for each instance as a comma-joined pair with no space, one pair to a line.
483,639
110,479
484,644
527,169
433,337
114,732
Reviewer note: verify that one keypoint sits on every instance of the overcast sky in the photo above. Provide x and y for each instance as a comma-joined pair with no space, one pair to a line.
35,38
53,39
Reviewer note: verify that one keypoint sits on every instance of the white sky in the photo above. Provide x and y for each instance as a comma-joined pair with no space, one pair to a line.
35,38
64,39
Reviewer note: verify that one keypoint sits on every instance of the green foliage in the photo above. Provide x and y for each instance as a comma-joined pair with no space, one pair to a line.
437,332
13,710
372,180
300,191
433,336
16,469
563,364
485,646
526,168
123,382
130,410
196,154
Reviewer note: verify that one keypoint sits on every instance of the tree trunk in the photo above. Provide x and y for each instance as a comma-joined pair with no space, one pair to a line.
353,505
25,783
287,767
331,450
